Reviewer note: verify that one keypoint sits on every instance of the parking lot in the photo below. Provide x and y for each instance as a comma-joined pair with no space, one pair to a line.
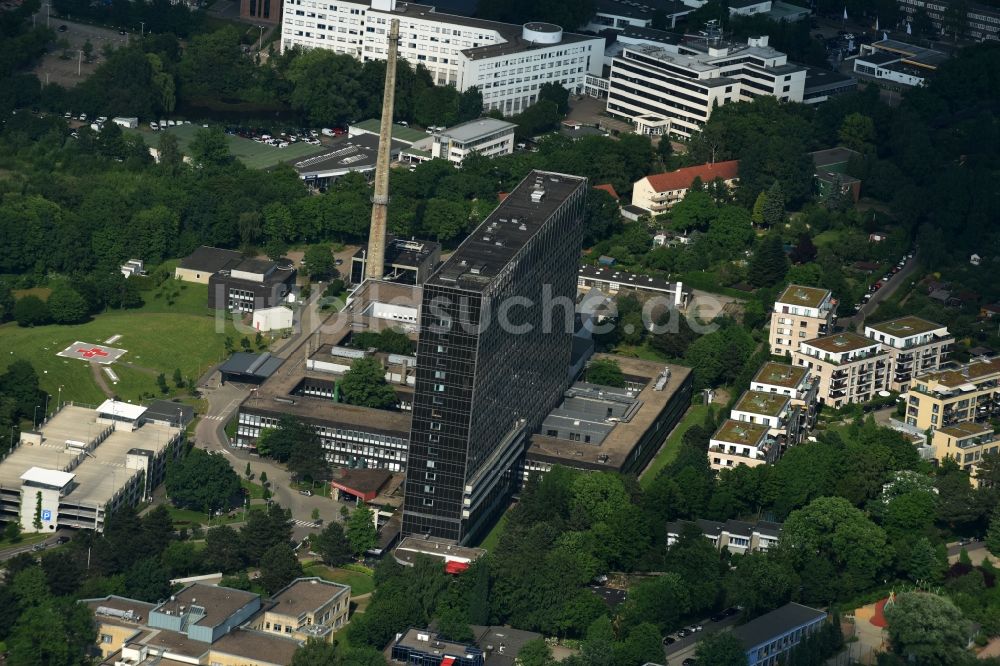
52,68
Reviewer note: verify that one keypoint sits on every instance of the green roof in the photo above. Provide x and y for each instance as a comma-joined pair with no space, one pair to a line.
740,432
400,133
761,402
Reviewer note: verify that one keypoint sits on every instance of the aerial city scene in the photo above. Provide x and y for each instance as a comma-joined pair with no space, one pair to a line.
499,333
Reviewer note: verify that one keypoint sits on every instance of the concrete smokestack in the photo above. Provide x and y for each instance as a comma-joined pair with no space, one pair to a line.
375,261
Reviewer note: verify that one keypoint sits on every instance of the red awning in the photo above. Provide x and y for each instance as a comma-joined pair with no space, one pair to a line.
454,567
447,661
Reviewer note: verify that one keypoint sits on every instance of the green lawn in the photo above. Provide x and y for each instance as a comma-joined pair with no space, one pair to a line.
255,490
189,518
321,489
490,540
26,539
695,415
254,155
174,329
360,583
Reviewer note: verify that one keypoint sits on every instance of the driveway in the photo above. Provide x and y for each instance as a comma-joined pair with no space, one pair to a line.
857,322
13,551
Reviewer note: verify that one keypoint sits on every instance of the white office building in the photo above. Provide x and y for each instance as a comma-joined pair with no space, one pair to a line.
672,89
487,136
507,62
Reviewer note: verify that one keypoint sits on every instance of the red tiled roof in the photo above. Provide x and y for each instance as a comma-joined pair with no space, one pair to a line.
607,187
682,178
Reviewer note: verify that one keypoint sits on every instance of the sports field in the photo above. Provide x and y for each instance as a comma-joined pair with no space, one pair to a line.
159,337
254,155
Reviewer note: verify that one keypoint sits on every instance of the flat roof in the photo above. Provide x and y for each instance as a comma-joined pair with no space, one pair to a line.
247,363
219,602
509,639
516,44
102,473
345,154
167,410
306,595
904,327
256,646
762,402
620,442
364,481
211,259
412,546
968,429
839,343
626,279
807,297
47,477
820,79
740,432
426,640
766,627
400,133
779,374
954,378
475,129
253,265
641,10
124,410
489,249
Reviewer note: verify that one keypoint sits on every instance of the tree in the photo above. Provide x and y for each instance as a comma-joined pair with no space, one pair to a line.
360,530
470,104
66,306
147,580
332,545
326,85
223,550
444,218
993,534
278,567
831,531
760,583
315,653
210,148
721,649
757,216
535,652
51,632
773,210
557,94
161,383
664,150
364,384
925,628
319,262
769,265
606,372
858,133
31,311
203,480
264,529
804,251
170,157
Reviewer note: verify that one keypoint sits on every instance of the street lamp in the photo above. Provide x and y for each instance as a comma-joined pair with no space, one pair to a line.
142,28
59,398
260,40
34,419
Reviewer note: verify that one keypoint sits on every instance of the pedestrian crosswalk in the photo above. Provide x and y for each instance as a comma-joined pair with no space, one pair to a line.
215,417
304,523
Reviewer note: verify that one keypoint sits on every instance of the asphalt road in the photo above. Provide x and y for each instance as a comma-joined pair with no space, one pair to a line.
677,652
857,322
53,69
14,551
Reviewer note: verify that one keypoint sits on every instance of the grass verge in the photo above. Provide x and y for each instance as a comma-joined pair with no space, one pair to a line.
669,450
360,583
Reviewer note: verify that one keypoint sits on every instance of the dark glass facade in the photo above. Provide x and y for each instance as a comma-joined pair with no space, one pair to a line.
489,365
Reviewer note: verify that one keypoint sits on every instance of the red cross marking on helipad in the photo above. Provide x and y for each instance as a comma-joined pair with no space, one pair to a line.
92,352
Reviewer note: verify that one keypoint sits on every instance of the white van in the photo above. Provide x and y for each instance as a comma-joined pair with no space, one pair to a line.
326,131
153,126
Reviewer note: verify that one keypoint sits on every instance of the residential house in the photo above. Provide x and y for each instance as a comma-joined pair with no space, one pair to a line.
793,381
658,192
969,393
734,536
849,368
800,313
965,443
741,443
915,347
773,410
831,173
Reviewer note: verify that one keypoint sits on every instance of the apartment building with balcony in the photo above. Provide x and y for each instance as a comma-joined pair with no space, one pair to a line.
915,347
847,367
793,381
800,313
965,443
968,393
660,191
773,410
734,536
741,443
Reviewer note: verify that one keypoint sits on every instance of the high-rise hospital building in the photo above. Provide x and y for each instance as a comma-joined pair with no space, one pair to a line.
507,62
496,329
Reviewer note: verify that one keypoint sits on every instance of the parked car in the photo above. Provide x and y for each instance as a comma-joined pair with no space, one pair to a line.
62,539
307,493
669,640
63,28
719,617
38,547
690,661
